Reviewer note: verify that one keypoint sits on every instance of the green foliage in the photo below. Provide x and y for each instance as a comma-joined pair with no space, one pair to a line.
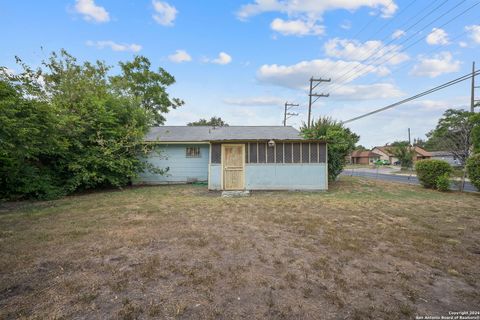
453,133
475,120
147,87
213,122
399,144
429,171
473,170
68,126
443,182
360,148
341,141
405,155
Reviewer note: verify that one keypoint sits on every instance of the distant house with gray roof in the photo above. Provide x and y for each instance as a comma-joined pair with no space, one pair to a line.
237,158
445,156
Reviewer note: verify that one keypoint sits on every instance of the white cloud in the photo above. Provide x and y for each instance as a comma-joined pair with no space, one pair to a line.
398,34
372,50
255,101
313,8
296,76
91,11
180,56
346,25
223,58
463,44
437,37
453,102
115,46
366,92
296,27
474,32
437,65
165,13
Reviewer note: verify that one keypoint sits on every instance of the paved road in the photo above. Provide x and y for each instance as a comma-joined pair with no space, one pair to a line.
397,178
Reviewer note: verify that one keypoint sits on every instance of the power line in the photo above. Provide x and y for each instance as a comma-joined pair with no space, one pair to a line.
414,43
424,93
373,52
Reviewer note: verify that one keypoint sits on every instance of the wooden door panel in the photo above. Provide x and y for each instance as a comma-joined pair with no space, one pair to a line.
233,167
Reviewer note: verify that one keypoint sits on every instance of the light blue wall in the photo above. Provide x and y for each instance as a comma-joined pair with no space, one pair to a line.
306,176
214,181
271,176
182,169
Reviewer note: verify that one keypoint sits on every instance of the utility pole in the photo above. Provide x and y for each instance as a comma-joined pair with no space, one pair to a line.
288,106
473,103
409,141
311,94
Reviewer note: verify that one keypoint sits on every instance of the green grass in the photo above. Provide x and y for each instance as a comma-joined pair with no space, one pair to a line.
363,249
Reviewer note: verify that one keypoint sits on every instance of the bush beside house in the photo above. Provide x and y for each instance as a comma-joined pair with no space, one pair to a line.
473,170
433,174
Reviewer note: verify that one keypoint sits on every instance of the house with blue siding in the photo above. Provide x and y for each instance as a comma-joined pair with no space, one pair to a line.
237,158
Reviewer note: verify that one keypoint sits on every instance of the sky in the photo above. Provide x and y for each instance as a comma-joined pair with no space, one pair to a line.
242,60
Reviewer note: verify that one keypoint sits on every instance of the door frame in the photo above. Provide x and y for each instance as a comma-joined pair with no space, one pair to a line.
223,163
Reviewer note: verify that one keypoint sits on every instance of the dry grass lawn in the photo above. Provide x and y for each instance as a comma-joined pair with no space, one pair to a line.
362,250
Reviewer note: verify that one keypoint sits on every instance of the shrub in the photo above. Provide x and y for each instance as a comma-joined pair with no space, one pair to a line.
428,171
473,170
443,182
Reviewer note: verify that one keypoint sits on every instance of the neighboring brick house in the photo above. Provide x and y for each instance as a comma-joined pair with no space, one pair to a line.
364,157
387,153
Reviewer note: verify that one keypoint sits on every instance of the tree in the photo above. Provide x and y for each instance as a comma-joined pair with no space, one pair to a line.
475,119
360,148
213,122
454,133
341,141
405,154
29,144
148,87
399,143
75,127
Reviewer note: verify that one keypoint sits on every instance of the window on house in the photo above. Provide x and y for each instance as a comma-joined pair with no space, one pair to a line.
193,152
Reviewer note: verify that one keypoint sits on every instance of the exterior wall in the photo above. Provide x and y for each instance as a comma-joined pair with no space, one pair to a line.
182,168
271,176
450,159
383,156
286,176
215,177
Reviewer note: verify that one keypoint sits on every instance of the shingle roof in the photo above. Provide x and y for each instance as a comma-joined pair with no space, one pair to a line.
389,151
207,133
441,153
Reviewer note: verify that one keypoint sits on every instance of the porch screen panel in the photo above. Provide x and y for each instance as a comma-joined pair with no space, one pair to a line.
253,153
262,154
270,154
296,153
216,153
279,153
305,153
288,153
313,152
323,153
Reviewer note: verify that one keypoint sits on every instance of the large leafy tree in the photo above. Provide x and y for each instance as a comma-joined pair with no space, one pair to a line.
454,133
341,141
213,122
137,81
76,126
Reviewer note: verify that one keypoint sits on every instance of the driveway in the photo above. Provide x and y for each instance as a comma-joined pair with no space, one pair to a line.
385,174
